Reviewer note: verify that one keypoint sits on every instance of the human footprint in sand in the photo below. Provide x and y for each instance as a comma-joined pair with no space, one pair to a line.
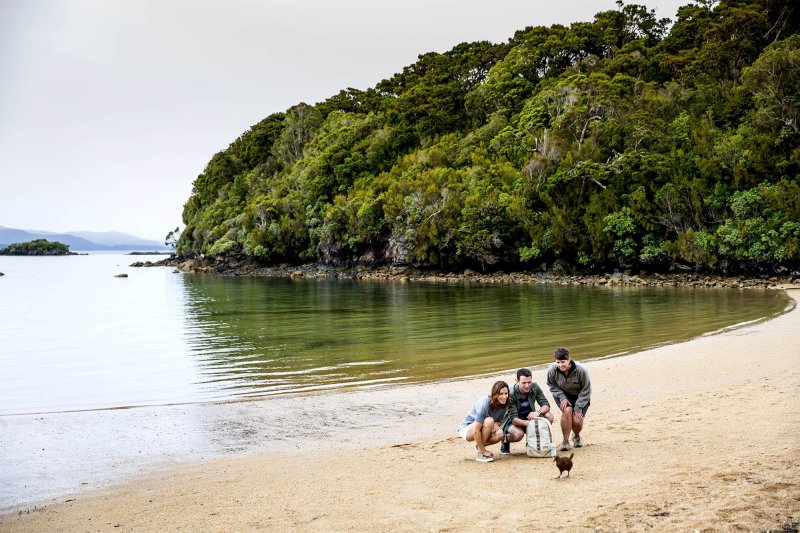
482,423
569,383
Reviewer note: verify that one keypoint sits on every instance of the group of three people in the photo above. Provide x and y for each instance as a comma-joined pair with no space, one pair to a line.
504,415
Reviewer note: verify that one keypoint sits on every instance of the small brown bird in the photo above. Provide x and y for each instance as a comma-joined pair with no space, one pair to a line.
563,463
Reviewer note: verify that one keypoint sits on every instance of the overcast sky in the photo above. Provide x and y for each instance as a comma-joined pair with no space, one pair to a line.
109,109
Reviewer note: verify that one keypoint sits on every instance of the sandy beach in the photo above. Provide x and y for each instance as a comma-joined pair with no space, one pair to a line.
702,435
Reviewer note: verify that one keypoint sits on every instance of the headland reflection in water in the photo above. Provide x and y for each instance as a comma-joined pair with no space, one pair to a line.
254,337
77,338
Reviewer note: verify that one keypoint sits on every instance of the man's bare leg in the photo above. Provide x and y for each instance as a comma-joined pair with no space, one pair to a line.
567,420
577,426
515,434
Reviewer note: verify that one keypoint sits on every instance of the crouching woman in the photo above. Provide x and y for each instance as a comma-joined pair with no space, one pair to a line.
483,423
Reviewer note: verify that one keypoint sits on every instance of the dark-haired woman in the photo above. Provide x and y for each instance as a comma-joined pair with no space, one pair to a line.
483,423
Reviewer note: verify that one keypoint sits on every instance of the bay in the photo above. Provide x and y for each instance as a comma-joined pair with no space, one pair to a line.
74,337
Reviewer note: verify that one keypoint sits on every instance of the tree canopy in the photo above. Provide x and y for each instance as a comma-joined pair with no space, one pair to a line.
624,142
36,247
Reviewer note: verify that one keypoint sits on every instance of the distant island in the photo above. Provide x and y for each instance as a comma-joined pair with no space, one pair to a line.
37,247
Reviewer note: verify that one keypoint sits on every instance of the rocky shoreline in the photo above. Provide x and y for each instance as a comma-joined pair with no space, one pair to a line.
233,267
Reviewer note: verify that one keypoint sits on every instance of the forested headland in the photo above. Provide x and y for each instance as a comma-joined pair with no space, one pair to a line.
628,142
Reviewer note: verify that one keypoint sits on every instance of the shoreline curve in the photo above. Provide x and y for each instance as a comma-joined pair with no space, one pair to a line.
702,434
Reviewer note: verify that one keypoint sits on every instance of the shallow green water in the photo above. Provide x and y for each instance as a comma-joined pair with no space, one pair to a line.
75,337
265,336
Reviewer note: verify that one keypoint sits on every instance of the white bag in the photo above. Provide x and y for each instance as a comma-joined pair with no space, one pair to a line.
540,438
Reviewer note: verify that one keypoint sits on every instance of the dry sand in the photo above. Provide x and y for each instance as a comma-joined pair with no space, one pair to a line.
702,435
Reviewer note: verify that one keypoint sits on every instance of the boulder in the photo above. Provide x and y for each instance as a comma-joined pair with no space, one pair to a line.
332,254
121,276
560,268
397,250
195,267
367,258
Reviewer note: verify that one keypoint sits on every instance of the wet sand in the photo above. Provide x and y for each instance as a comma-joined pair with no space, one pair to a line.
699,435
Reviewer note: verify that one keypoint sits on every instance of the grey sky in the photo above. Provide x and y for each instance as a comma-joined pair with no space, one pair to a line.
109,109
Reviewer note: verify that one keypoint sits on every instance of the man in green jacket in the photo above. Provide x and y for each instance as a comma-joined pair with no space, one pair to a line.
521,409
572,390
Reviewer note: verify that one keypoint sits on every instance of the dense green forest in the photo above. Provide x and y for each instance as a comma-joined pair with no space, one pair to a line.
626,142
36,247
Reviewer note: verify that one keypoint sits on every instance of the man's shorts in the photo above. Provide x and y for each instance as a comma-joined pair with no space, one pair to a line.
573,400
463,432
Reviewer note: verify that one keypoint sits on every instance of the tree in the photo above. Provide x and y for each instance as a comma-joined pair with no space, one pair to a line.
774,82
172,238
36,247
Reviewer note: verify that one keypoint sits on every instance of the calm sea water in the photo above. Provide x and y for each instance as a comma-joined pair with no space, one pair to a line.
74,337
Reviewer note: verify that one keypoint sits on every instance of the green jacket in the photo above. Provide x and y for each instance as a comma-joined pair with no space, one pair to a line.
515,397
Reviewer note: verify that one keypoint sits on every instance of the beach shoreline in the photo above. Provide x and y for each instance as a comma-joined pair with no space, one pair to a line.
560,274
700,435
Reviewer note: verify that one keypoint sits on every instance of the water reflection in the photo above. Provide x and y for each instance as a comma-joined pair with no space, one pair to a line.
74,337
254,337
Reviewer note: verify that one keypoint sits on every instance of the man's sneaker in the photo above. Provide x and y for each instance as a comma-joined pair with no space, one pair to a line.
564,446
505,447
576,440
483,459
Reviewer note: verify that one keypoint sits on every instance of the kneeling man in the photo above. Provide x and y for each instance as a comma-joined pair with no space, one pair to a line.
521,409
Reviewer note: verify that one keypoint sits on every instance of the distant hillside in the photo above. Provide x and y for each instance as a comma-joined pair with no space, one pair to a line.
116,238
82,240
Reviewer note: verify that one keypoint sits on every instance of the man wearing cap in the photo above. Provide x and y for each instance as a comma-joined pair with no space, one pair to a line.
572,391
